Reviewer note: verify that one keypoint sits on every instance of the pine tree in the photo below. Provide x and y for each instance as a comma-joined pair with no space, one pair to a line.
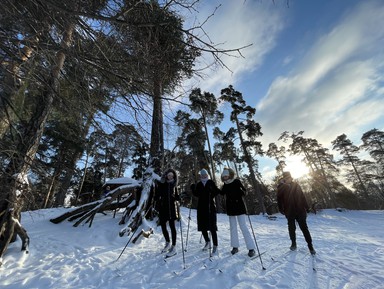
350,158
248,131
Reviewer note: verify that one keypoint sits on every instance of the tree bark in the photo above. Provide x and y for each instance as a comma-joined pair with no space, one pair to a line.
12,81
26,148
252,174
157,138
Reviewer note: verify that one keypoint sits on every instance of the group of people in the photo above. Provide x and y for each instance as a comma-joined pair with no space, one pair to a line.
291,202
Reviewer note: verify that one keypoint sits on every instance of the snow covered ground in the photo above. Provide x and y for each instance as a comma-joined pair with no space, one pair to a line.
349,244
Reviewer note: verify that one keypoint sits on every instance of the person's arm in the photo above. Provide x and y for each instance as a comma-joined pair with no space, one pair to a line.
176,195
223,190
194,191
302,197
214,190
243,190
280,200
157,191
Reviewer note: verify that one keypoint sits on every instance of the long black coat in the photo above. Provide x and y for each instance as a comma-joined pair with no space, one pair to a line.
167,197
206,208
291,200
234,193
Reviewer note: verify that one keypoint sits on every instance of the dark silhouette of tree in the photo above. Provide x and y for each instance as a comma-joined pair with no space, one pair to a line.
131,51
279,155
373,142
206,106
349,158
248,131
192,139
225,149
13,184
320,162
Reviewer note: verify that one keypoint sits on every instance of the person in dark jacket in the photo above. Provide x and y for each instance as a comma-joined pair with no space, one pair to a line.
292,204
206,191
234,192
167,199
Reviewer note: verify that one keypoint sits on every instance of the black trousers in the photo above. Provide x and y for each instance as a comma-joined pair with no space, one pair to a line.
302,222
213,234
172,226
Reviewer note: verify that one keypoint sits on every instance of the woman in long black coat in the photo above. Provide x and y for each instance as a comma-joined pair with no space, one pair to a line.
167,199
206,191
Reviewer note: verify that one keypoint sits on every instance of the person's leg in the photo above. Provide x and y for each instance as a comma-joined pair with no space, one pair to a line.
207,244
214,238
233,231
166,236
172,250
302,221
246,234
292,232
234,234
205,235
165,231
172,226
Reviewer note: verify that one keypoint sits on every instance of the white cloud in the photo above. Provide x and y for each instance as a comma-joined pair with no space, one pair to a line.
237,24
337,87
334,86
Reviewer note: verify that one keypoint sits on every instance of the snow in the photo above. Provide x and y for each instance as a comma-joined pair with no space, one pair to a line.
349,244
123,180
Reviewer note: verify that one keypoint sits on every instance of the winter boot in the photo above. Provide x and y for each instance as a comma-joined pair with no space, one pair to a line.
207,246
251,253
172,251
214,251
293,246
311,250
166,247
234,250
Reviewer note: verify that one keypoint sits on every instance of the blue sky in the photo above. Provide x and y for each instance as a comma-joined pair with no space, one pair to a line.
315,66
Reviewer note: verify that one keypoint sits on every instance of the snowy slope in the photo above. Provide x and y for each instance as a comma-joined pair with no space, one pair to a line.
350,248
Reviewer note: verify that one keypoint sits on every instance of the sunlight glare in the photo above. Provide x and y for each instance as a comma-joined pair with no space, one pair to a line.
296,166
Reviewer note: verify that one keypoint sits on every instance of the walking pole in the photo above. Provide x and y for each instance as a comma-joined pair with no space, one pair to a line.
129,240
189,220
209,225
254,236
182,241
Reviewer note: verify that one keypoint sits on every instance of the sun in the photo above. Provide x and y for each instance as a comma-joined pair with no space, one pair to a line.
296,166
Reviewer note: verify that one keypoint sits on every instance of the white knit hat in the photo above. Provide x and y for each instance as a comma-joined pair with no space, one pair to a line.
225,173
203,172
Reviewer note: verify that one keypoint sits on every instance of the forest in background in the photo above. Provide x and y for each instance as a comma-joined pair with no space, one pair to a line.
64,69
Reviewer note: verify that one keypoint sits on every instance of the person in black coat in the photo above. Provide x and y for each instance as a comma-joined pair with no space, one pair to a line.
292,203
167,199
234,192
206,191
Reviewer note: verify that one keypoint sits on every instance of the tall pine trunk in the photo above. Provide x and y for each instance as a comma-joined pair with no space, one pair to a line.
157,135
252,174
26,147
11,84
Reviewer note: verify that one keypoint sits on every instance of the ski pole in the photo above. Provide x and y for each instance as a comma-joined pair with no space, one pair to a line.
209,224
189,220
254,236
182,241
129,240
